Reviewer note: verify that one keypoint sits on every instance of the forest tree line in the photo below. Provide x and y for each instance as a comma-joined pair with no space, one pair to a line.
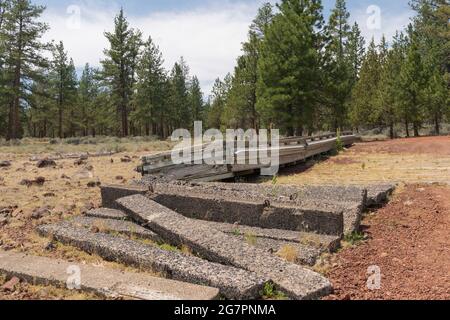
297,72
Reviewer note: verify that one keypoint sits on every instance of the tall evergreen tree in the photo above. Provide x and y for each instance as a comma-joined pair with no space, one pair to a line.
196,100
64,85
21,34
432,37
412,83
240,110
88,92
365,92
290,74
180,113
218,100
339,70
119,67
3,99
388,104
355,52
150,89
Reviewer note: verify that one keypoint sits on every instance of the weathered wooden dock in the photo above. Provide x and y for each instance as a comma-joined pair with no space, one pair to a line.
292,151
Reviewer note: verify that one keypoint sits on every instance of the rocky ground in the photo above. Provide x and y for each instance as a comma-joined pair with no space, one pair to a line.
409,241
31,196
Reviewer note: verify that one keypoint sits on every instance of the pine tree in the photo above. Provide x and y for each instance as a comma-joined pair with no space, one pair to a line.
355,52
196,100
339,69
119,67
240,110
88,92
21,34
64,83
149,89
290,75
218,100
180,113
412,83
436,95
365,92
432,37
3,99
388,104
40,114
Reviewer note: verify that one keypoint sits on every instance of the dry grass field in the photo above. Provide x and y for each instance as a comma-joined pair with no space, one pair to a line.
416,160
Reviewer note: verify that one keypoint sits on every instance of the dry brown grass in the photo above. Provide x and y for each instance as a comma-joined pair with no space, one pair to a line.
251,239
71,196
288,253
355,168
87,144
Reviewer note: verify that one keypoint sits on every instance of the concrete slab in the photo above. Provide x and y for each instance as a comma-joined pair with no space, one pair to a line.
294,280
378,195
110,193
110,225
298,208
102,281
233,283
106,213
308,247
313,240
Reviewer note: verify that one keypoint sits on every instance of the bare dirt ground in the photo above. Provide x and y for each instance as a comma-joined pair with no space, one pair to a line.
415,160
409,241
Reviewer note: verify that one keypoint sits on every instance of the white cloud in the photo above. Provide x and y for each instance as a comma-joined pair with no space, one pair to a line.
388,25
208,38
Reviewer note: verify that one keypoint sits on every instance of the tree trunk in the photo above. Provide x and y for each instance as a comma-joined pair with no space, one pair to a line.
124,121
391,131
437,125
416,130
290,131
407,128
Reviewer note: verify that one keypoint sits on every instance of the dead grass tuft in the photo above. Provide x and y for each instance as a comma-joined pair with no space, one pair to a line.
288,253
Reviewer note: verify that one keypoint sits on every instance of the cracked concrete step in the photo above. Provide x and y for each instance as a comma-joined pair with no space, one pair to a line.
233,283
297,282
110,193
262,205
256,213
303,248
289,251
105,282
106,213
319,241
297,208
110,225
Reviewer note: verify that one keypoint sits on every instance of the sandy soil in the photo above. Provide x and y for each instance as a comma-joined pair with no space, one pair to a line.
417,160
409,241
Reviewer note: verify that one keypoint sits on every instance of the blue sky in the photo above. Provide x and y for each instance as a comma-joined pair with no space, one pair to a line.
207,33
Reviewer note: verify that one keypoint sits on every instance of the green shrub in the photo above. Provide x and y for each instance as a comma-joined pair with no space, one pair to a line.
269,292
355,238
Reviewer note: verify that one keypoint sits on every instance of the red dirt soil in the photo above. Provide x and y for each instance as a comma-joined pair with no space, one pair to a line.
425,145
409,240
